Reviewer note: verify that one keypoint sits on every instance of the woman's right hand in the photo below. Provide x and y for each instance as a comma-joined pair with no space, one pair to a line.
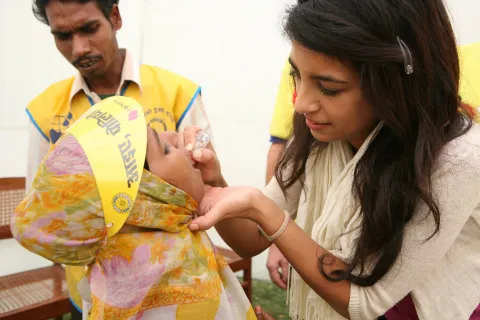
276,262
205,159
262,315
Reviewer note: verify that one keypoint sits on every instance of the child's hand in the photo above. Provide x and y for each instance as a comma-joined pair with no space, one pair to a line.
207,162
206,159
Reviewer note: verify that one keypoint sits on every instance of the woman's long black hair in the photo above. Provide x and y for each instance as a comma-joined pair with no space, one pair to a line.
420,112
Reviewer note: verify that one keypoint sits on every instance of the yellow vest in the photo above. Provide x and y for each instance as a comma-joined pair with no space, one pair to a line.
470,74
166,98
281,125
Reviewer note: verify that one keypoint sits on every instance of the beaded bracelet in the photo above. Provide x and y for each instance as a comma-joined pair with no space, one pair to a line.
279,232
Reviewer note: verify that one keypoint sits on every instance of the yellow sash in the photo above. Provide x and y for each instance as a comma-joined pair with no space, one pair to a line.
114,138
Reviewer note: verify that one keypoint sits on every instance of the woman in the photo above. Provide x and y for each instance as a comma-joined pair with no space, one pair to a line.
382,173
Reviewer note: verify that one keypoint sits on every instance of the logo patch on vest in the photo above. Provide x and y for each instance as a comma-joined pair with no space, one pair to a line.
160,119
59,125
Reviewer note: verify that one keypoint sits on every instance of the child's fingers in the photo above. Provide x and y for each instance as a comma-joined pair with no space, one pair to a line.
180,141
189,136
203,155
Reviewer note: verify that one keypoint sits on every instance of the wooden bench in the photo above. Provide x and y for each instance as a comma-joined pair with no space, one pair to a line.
31,295
237,263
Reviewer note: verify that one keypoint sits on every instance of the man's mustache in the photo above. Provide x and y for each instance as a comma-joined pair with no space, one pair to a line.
85,59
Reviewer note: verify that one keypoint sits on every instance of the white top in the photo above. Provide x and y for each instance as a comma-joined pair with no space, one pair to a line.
443,273
38,146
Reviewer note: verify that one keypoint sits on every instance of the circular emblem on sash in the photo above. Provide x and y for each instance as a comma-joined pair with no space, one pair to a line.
121,202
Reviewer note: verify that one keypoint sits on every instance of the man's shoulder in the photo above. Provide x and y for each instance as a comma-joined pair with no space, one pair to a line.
54,91
163,75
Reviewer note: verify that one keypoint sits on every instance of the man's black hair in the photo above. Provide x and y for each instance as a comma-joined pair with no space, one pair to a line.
39,12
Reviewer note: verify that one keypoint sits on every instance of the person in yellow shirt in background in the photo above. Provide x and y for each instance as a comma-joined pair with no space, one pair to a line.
281,129
470,75
85,34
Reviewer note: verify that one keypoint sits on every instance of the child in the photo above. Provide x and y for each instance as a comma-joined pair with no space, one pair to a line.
154,267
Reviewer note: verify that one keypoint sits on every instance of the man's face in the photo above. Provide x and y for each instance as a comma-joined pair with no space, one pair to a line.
84,36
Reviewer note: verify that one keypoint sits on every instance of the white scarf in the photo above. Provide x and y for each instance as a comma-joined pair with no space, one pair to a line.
331,211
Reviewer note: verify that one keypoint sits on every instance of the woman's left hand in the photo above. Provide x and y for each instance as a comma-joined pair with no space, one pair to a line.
224,203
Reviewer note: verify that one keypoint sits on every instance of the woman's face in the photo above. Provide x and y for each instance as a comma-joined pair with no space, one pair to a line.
330,98
174,165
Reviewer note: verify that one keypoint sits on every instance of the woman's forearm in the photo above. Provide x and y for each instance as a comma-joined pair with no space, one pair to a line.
303,253
244,208
242,236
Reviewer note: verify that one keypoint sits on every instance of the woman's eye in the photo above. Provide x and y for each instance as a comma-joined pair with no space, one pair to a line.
167,149
328,92
295,77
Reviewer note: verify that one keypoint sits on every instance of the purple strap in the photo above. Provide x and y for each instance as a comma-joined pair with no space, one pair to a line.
405,310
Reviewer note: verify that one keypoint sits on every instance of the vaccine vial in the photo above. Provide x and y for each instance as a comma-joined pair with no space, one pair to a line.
202,140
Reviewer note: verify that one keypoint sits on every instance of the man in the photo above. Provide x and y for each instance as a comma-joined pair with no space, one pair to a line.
85,34
281,129
470,75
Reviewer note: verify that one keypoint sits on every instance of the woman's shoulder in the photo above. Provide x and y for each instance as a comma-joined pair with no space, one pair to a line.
463,151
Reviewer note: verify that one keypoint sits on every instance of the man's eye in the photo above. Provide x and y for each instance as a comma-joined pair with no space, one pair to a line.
90,29
63,37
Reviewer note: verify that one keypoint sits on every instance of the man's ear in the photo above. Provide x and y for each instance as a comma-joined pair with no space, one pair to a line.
116,18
